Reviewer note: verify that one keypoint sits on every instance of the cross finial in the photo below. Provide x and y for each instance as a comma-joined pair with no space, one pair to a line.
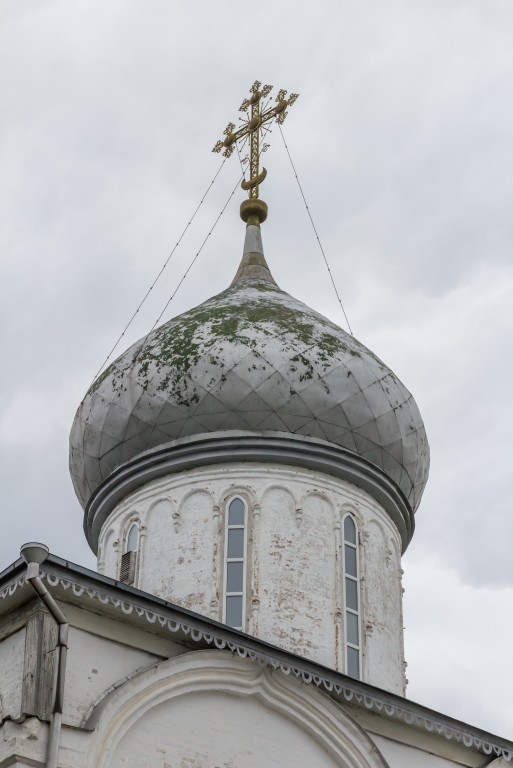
258,114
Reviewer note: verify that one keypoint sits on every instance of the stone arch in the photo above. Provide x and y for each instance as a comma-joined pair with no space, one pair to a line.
382,609
350,508
131,517
107,557
316,493
238,489
307,505
327,729
393,555
159,500
155,535
280,488
181,513
375,523
194,490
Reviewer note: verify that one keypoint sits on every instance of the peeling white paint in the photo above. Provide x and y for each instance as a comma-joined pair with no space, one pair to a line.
294,595
12,656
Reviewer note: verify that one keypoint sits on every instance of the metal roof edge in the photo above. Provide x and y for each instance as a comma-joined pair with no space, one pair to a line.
202,631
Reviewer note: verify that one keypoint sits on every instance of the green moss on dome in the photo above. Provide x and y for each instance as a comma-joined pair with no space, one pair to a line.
243,314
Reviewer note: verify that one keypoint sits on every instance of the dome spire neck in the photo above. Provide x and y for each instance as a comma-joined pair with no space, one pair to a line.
253,265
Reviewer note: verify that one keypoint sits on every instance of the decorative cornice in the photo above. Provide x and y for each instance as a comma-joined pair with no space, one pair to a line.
11,588
192,628
228,447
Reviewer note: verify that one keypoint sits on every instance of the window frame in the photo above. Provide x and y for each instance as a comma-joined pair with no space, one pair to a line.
131,526
129,558
243,560
347,608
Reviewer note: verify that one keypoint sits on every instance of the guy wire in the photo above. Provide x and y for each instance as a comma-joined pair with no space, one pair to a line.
192,263
315,230
127,326
240,161
168,302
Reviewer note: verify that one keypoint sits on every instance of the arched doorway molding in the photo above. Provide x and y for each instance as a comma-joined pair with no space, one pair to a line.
221,672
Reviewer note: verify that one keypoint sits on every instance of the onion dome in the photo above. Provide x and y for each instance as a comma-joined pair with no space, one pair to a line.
250,364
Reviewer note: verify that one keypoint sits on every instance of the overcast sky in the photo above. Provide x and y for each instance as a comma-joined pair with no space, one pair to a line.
402,138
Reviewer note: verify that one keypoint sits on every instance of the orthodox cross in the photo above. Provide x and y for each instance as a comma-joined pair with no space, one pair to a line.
258,114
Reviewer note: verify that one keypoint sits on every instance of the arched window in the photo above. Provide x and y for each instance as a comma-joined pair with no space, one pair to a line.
132,538
129,556
235,564
351,599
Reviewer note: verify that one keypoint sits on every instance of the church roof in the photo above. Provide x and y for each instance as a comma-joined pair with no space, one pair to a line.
252,359
75,585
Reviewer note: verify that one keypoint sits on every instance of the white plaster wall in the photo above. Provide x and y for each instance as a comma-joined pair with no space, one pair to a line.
217,731
294,595
108,552
23,745
178,550
12,655
297,574
399,754
94,664
382,598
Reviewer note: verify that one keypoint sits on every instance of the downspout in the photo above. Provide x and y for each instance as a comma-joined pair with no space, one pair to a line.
34,554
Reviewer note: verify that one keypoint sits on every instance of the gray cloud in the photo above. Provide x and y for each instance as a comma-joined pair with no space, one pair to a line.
402,139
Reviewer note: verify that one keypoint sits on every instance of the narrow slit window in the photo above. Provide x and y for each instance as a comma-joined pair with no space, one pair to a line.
351,599
132,538
235,569
129,556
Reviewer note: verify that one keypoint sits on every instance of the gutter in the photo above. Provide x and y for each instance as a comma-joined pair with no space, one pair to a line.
34,555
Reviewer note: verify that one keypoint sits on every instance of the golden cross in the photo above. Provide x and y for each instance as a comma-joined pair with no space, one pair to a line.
253,125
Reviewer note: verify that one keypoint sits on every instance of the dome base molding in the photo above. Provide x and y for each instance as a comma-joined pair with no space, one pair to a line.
238,446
